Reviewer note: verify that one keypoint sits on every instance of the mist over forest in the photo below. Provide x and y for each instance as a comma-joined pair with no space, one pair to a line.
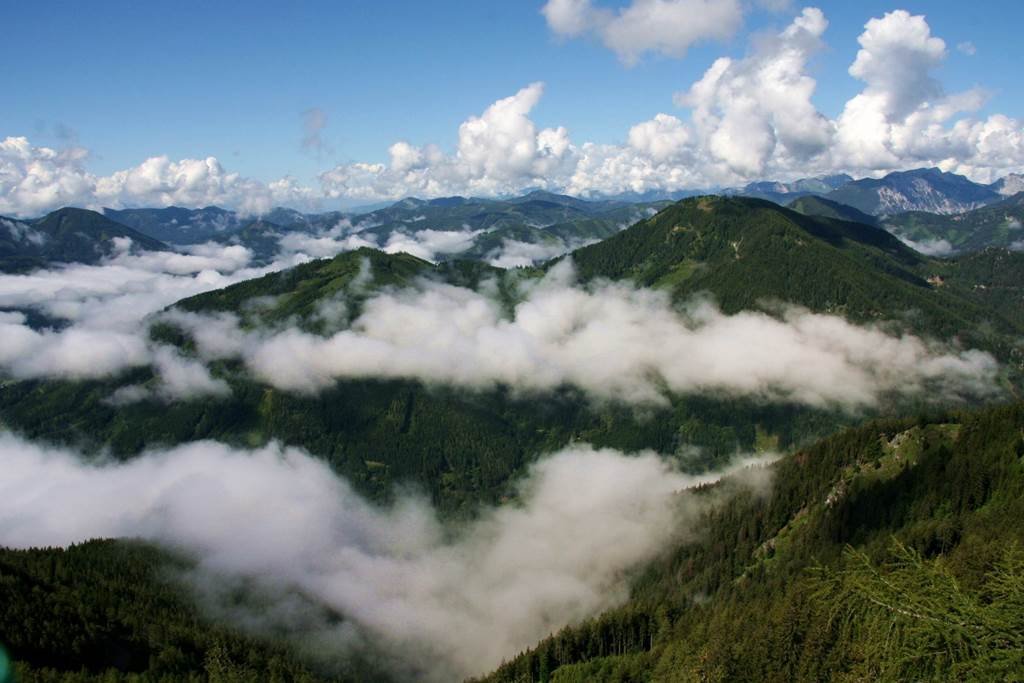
729,393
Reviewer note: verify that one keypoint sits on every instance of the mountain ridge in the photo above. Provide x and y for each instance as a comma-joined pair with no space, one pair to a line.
67,235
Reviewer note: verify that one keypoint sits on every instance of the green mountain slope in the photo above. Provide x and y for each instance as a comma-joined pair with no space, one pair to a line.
992,277
460,446
996,225
812,205
746,252
880,553
121,611
65,236
297,292
464,447
944,485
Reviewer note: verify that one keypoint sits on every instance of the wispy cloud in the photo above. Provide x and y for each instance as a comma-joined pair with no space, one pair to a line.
314,121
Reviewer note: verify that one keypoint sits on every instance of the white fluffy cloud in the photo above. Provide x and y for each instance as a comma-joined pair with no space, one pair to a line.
662,139
749,118
76,352
759,108
516,254
598,339
448,607
668,27
499,151
930,247
159,181
427,244
34,180
103,310
903,118
746,118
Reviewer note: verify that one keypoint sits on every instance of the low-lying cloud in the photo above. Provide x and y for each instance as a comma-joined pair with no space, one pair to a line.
99,314
76,353
935,246
444,606
428,244
516,254
612,340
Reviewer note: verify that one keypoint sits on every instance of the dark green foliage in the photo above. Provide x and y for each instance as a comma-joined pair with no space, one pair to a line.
768,592
118,611
994,278
461,447
921,623
749,252
295,293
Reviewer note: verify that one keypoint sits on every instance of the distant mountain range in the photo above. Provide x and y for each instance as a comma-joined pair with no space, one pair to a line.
937,212
994,225
67,236
783,193
927,189
924,189
554,223
1009,185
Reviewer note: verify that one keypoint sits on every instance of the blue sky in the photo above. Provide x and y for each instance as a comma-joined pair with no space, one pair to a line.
231,80
130,80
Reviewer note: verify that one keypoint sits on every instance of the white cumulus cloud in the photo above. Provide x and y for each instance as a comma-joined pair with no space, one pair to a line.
34,180
746,118
668,27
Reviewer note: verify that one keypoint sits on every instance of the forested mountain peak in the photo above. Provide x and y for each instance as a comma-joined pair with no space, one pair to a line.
750,252
64,236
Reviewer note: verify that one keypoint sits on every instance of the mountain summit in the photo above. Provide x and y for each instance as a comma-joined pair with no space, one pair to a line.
924,189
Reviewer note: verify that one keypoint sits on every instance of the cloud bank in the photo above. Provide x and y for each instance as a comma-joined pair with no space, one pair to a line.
100,315
746,118
596,337
444,607
611,340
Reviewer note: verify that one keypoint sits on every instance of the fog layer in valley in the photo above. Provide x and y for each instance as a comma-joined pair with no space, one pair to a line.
442,605
612,340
